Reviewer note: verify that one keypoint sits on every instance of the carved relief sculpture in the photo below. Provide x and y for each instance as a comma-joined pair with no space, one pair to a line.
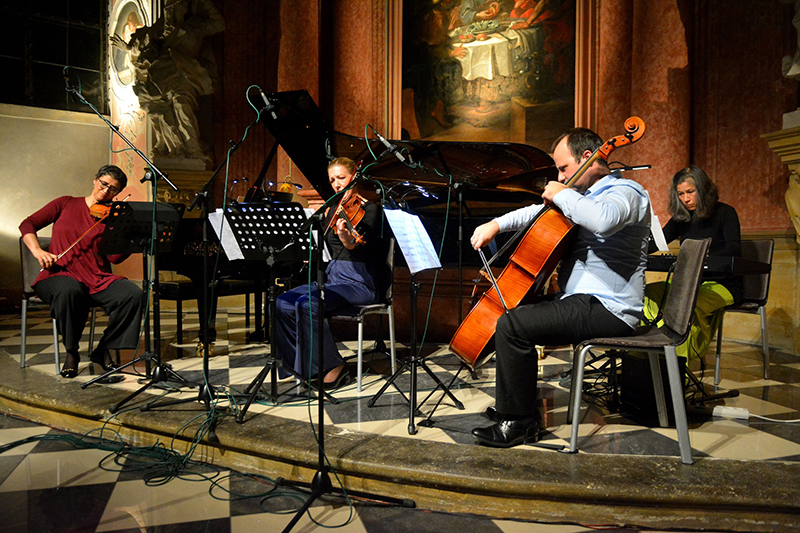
173,66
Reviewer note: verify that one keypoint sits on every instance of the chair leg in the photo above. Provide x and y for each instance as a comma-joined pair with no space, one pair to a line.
719,351
678,405
360,353
91,330
390,312
91,338
576,389
55,346
23,333
658,388
247,312
762,311
179,313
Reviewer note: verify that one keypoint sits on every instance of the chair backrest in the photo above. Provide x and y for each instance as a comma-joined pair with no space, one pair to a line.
30,266
686,279
756,286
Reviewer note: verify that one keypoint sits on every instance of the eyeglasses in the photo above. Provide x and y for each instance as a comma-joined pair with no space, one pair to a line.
104,185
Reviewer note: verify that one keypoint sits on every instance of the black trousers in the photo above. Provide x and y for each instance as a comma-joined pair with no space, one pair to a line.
570,320
70,302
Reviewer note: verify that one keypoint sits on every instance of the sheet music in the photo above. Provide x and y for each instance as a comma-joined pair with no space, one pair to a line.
229,244
655,229
413,240
326,254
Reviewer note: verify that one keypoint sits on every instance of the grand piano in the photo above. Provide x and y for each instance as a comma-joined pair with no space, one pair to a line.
481,180
489,178
478,180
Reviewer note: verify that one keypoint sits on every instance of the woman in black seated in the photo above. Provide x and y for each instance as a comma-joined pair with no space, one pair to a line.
352,279
697,213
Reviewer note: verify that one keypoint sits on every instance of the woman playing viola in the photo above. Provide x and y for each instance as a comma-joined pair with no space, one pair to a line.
353,278
80,278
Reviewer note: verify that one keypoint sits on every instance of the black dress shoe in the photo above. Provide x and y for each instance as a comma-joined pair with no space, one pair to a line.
509,433
492,414
102,358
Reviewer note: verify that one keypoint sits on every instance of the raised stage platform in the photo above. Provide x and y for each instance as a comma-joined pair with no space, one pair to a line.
744,477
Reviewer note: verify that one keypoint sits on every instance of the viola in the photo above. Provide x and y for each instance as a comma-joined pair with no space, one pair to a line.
351,210
545,241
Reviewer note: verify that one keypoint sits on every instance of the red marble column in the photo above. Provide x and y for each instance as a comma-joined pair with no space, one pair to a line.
644,71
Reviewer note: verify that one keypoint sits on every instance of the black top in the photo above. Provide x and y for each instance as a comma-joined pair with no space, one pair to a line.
369,228
726,238
372,254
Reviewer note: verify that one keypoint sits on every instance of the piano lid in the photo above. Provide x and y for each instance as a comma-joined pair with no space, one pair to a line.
491,173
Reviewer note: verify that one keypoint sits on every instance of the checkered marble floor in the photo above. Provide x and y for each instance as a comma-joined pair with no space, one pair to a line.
46,477
235,364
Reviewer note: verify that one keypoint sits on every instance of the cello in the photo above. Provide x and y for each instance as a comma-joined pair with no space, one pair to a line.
546,239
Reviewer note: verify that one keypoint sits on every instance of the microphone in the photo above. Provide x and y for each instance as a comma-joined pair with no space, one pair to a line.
269,107
626,168
392,149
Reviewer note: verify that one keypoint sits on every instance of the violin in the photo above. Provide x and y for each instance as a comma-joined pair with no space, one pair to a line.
100,211
351,210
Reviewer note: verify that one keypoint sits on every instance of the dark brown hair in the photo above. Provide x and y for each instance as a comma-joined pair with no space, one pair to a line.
707,194
578,141
114,172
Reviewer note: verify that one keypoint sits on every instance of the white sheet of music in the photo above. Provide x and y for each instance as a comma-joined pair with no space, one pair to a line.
229,244
655,229
414,241
326,254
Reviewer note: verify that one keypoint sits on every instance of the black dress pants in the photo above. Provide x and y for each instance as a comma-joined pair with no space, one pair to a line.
70,302
570,320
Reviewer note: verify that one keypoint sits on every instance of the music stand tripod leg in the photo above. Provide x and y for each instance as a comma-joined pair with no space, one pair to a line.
391,381
428,422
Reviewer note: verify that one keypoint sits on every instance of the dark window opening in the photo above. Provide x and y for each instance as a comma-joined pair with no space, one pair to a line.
38,40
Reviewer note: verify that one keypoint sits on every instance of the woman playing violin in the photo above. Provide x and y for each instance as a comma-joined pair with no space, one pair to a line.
74,277
353,278
601,281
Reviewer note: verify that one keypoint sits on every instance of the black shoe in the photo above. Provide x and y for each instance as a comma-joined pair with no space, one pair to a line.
70,368
102,358
492,414
68,373
341,380
509,433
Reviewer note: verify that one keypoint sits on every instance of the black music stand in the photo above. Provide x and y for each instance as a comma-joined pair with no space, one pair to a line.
129,229
415,243
265,233
321,483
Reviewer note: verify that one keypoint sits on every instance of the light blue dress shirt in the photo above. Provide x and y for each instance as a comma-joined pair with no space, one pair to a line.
608,255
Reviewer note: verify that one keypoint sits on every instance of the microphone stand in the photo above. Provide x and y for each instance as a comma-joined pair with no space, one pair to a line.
206,392
162,372
321,483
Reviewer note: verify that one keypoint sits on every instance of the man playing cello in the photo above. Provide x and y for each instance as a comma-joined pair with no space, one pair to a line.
601,281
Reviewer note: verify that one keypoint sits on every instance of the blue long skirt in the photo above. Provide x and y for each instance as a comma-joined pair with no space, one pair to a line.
348,283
